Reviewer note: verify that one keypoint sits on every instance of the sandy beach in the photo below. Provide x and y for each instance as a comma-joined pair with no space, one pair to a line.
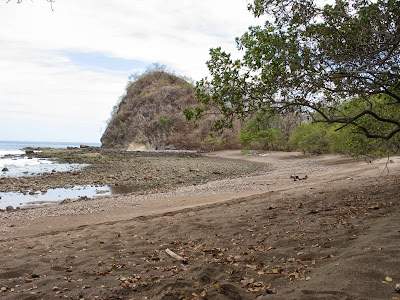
306,227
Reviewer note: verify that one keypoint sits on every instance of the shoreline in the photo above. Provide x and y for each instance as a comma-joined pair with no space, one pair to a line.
121,172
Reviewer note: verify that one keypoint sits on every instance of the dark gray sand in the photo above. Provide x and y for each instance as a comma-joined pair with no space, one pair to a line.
335,234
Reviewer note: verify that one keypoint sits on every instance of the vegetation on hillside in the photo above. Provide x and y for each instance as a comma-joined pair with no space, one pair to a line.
149,116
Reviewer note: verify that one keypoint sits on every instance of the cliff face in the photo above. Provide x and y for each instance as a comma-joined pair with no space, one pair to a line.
150,116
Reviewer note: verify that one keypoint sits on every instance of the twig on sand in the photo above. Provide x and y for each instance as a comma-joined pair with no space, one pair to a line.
386,165
176,256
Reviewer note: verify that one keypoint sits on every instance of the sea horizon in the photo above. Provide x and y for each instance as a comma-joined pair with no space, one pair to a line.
6,145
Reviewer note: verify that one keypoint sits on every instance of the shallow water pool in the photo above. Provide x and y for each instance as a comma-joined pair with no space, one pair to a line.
17,199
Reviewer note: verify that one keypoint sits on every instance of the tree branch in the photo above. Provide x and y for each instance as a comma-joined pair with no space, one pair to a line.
344,14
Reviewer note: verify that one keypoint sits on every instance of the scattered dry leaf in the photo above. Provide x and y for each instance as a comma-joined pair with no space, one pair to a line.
294,275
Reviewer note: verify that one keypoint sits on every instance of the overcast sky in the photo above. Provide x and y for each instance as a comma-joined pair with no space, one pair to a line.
62,71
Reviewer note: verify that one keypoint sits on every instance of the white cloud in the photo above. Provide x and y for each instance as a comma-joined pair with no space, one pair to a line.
39,77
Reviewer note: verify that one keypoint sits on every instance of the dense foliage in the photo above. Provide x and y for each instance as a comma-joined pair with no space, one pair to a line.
322,137
313,60
269,131
265,138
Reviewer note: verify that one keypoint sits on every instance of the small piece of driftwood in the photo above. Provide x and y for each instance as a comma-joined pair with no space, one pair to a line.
176,256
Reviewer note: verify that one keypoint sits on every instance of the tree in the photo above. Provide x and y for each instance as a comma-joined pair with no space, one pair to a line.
264,136
311,59
357,145
263,131
313,138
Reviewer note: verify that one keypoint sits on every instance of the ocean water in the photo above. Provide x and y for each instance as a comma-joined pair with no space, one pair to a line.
12,157
12,146
18,164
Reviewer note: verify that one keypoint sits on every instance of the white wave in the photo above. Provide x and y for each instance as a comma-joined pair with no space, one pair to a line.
22,162
10,152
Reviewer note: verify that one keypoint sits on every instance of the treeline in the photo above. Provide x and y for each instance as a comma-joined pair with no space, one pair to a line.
299,132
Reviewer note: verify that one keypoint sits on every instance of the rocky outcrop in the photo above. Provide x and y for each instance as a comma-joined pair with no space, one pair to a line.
150,116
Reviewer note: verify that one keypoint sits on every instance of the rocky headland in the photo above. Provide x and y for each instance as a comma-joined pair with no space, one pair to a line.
150,117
